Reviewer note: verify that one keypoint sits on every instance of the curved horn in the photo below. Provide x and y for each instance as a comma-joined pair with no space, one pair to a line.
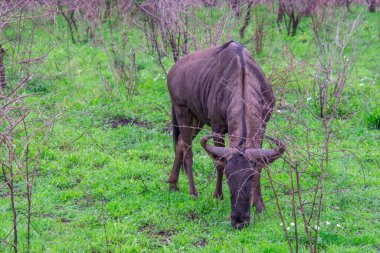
280,144
266,156
215,152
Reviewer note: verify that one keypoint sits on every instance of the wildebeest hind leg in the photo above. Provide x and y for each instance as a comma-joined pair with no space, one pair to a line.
189,127
178,160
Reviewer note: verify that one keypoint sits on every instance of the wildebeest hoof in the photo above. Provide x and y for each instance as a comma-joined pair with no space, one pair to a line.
194,194
218,196
240,222
173,188
260,208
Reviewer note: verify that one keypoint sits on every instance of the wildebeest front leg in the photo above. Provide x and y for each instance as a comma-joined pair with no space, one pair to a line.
219,142
257,199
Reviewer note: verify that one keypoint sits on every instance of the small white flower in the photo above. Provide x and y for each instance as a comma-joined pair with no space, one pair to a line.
327,223
316,227
292,224
278,110
338,225
288,228
155,79
281,224
361,84
309,98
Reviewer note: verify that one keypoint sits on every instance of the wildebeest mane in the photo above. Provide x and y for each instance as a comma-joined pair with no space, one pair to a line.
239,51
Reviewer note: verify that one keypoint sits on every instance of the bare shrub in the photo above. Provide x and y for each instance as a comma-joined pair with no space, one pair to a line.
24,129
67,9
83,18
120,52
308,153
247,18
176,27
259,30
291,12
259,19
171,20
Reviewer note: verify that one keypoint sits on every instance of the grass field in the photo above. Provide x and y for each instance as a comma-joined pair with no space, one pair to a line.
102,179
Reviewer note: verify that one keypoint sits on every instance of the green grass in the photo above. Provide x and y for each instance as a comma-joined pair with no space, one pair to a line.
98,183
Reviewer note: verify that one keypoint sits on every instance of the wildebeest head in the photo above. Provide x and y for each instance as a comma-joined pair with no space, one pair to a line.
242,169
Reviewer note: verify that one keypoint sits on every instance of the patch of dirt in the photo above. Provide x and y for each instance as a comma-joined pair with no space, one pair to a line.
117,121
162,235
86,201
165,235
65,220
202,242
53,216
149,228
192,216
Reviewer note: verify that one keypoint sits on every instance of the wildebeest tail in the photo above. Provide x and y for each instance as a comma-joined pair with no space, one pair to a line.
176,135
175,129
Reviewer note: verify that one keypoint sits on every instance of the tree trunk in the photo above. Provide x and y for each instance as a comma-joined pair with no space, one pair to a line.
236,6
280,16
280,13
107,13
247,19
372,5
173,45
259,32
296,21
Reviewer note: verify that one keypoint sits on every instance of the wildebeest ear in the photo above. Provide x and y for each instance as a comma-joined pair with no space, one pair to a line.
216,153
266,156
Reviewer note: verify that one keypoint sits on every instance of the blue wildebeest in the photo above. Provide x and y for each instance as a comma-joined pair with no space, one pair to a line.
224,87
